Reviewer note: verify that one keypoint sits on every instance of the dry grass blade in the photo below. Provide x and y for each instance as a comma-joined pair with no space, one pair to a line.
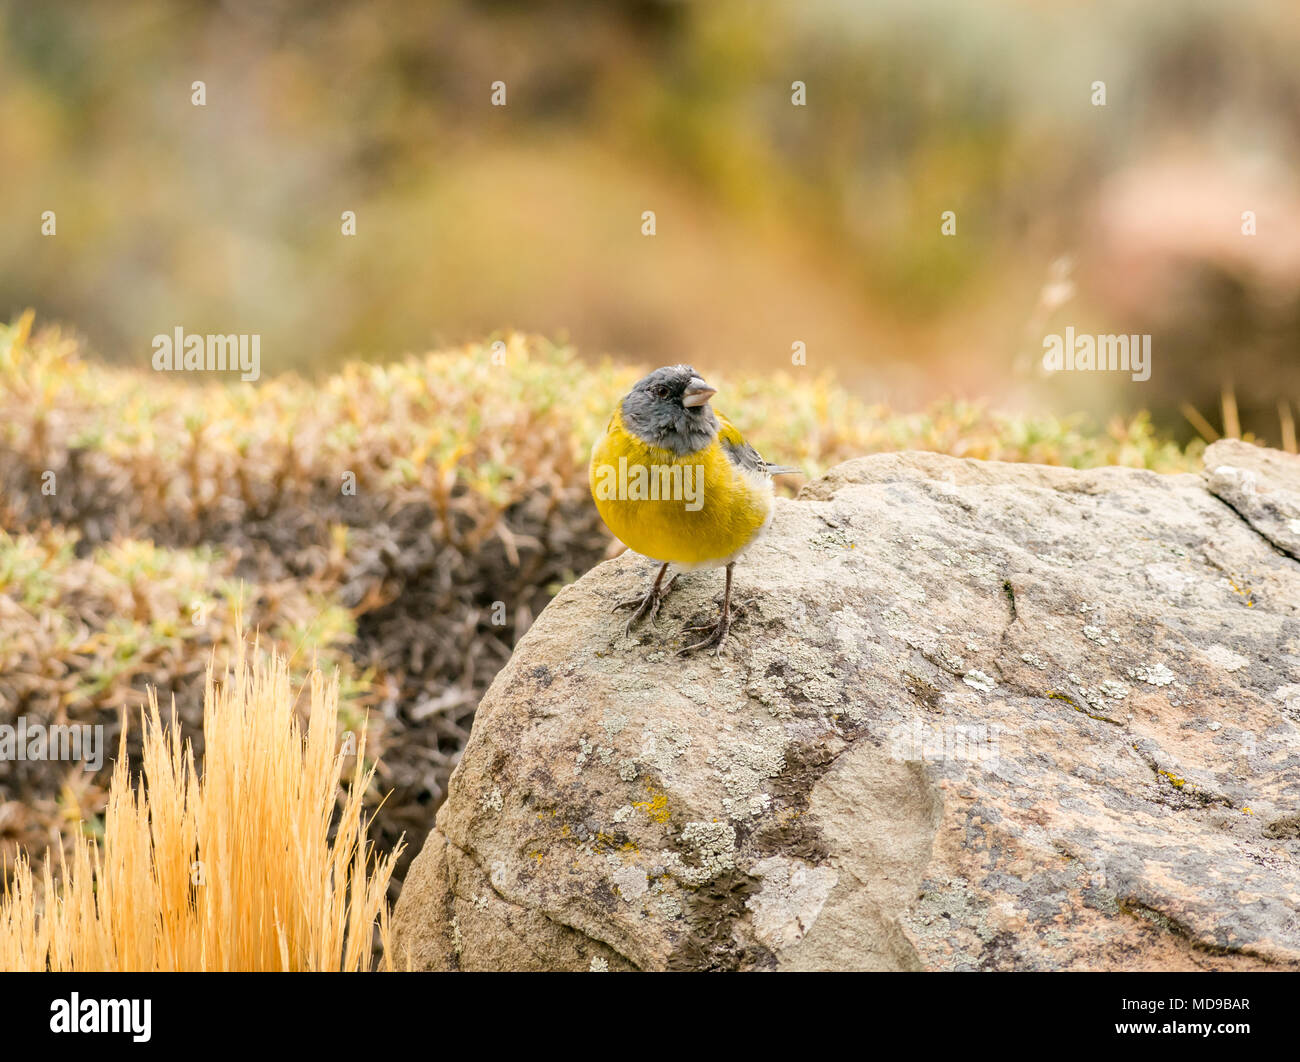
1231,418
1204,428
1287,420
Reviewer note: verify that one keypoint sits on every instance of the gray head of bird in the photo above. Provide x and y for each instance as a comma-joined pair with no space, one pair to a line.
670,409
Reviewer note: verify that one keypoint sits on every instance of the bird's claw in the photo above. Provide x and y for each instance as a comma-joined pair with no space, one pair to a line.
714,640
647,604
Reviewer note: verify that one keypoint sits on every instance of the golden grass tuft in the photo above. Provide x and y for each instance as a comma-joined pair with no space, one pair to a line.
254,865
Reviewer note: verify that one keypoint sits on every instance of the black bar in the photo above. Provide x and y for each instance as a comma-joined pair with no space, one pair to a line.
559,1012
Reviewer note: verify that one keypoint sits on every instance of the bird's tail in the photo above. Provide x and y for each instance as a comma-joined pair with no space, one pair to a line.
783,470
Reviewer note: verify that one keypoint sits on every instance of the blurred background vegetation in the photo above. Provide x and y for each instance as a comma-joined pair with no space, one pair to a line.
775,223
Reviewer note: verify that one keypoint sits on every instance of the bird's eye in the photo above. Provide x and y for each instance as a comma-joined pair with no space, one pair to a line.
661,391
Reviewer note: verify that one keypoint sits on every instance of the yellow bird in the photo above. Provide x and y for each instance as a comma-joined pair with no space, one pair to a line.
676,482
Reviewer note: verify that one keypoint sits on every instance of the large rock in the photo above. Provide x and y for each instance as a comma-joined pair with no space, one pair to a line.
976,715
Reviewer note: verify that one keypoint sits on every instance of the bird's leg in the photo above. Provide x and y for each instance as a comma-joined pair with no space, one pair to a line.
647,604
717,632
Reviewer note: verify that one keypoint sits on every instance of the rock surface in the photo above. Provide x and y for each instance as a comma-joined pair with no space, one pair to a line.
976,716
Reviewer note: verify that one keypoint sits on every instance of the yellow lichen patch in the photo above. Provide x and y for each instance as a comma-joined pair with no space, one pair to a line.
1056,695
1245,592
656,807
1174,780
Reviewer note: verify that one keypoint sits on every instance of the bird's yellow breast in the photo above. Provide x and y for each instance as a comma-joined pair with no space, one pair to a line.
688,509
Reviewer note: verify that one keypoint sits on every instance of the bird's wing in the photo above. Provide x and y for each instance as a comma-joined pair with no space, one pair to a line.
744,455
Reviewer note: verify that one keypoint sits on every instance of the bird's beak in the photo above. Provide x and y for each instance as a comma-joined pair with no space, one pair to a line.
697,393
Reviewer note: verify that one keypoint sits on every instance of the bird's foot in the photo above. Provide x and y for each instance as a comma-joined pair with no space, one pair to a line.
715,637
647,605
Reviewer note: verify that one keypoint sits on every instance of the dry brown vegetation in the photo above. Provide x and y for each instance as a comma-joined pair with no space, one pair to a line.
247,863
